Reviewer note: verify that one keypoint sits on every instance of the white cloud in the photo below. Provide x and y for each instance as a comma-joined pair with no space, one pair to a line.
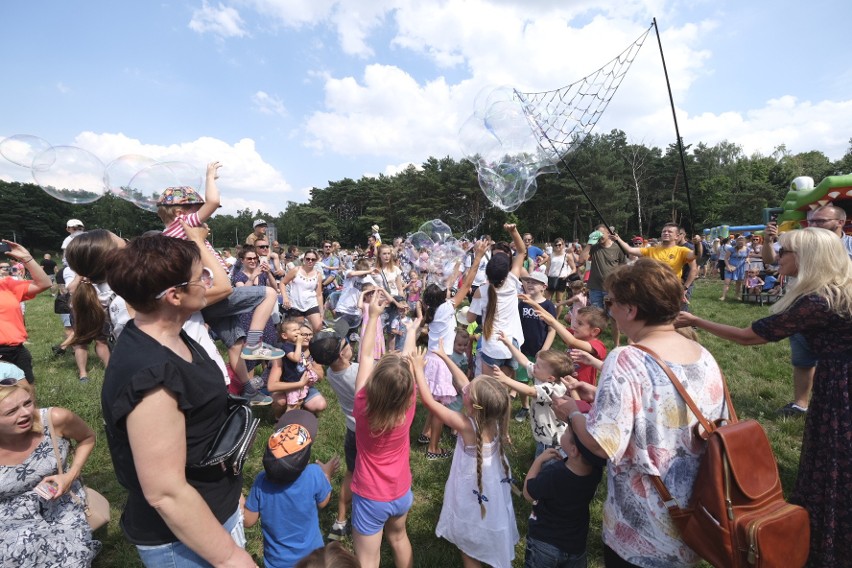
63,88
220,20
268,104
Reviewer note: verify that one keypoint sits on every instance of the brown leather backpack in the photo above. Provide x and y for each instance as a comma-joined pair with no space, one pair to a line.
737,516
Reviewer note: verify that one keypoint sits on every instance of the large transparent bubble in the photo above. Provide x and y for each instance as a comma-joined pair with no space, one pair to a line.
148,184
436,230
433,251
121,170
21,149
69,174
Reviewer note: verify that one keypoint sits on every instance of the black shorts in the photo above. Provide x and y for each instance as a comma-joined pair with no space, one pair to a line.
294,313
350,450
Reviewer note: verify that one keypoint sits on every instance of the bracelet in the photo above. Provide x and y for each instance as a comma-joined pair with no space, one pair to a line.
573,414
26,261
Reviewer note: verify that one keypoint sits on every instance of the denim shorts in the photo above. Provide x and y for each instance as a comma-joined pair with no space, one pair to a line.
369,517
543,555
510,362
179,555
800,354
222,316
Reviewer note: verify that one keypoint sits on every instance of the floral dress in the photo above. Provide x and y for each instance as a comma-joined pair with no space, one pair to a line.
37,532
824,483
269,335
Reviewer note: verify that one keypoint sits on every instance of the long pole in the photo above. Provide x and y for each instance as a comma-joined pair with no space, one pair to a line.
677,130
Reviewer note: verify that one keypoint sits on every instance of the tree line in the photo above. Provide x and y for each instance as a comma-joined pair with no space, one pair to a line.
636,189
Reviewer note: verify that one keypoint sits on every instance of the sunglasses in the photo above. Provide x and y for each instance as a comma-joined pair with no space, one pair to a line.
608,302
248,258
310,259
206,280
782,251
10,381
263,246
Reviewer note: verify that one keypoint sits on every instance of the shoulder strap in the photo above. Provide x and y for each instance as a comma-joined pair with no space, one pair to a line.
58,456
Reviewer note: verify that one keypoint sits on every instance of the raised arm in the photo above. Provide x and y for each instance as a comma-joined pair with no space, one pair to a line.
479,251
451,418
767,252
520,248
368,341
211,192
40,281
560,329
221,287
626,247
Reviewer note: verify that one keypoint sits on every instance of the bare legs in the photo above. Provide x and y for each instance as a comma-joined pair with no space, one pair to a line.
368,548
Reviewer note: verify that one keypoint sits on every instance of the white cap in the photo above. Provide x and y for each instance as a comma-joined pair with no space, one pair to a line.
537,276
74,223
258,222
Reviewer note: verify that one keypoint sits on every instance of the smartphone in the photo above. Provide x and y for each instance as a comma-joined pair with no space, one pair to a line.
5,247
46,489
562,453
770,214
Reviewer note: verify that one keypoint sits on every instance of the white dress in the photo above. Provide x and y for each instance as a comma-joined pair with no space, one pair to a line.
491,539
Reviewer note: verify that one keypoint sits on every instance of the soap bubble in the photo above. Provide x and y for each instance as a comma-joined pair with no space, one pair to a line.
69,174
437,230
21,149
147,185
121,170
433,251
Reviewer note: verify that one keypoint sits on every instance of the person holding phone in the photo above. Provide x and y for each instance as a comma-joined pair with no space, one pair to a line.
13,332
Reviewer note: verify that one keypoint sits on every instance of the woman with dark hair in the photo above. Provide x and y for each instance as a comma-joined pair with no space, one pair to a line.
817,305
13,332
303,296
163,402
640,423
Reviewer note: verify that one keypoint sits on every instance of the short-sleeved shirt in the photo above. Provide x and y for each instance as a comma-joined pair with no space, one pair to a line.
675,257
644,426
443,326
546,427
343,384
533,252
288,515
534,328
604,260
48,265
382,467
12,293
507,318
138,365
587,373
175,230
560,512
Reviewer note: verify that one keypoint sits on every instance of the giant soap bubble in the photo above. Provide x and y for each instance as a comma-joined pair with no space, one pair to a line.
148,184
21,149
121,170
501,141
70,174
433,251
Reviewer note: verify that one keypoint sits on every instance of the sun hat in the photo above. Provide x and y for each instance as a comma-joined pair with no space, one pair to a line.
183,195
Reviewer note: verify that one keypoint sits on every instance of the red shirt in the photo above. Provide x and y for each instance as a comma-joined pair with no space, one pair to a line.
587,373
12,293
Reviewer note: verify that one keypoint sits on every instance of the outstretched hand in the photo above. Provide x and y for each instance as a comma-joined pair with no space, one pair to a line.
213,169
378,303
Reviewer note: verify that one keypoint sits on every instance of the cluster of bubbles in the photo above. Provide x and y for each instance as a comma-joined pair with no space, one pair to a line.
434,251
75,175
500,139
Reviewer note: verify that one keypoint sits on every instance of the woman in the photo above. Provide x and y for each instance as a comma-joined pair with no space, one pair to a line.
735,257
13,332
303,296
49,530
255,273
819,306
163,402
560,266
640,423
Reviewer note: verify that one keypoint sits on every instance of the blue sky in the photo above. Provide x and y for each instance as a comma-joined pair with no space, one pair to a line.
289,94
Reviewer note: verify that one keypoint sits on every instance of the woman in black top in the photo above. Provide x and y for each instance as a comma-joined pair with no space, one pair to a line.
163,402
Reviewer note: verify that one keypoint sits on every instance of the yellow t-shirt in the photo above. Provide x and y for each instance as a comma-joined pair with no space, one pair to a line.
675,256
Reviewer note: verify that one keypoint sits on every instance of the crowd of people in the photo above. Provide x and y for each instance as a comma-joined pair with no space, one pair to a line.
386,327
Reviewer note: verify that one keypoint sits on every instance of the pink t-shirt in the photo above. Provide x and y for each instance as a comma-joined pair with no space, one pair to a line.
176,230
382,467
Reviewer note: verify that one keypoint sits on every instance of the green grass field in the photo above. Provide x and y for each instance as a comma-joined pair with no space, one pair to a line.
759,377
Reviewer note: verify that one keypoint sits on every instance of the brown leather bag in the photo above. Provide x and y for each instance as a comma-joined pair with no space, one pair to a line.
737,515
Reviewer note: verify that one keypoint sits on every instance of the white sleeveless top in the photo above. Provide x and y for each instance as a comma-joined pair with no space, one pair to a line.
303,290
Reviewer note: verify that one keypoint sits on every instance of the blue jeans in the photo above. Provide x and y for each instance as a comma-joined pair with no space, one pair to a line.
596,298
542,555
178,555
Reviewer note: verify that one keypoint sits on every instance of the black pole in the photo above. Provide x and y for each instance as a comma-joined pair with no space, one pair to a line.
677,130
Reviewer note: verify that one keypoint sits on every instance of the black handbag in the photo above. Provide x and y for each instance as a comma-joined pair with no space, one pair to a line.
61,304
233,442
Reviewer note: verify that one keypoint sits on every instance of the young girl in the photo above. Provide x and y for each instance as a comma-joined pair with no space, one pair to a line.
754,283
440,315
291,379
383,411
735,265
414,287
477,515
368,291
579,299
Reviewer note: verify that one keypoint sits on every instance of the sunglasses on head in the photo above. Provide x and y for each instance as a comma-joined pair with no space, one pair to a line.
10,381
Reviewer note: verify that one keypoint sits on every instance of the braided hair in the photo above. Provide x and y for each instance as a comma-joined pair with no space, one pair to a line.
490,407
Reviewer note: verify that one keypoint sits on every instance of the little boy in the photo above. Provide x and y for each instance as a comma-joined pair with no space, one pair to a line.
291,379
461,350
330,348
398,327
560,485
549,367
178,204
285,496
538,335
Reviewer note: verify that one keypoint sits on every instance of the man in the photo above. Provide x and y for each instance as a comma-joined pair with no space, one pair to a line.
261,246
75,228
330,268
833,219
533,252
49,267
606,256
668,252
697,248
229,259
259,227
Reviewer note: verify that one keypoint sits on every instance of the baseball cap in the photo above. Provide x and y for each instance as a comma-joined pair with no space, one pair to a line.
461,316
537,276
288,450
595,237
258,222
73,223
10,371
326,345
183,195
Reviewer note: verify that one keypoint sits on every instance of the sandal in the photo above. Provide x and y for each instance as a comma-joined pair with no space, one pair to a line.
441,454
423,439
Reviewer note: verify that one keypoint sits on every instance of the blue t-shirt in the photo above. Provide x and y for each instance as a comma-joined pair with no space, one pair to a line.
288,515
535,330
533,252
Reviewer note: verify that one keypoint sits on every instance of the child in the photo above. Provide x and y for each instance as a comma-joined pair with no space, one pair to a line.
332,556
537,334
590,322
399,324
376,236
353,282
368,291
291,382
461,349
414,287
550,366
330,349
177,204
561,484
579,299
754,283
477,515
440,315
285,496
383,411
